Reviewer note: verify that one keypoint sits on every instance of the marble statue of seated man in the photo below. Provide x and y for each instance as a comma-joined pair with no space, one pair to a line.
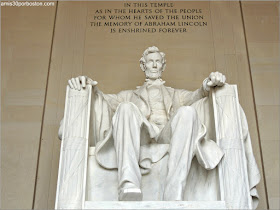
150,122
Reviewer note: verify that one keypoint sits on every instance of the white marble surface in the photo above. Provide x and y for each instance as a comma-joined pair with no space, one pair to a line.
139,127
71,186
102,184
155,205
156,137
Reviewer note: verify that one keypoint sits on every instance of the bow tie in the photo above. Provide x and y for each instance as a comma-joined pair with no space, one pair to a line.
154,82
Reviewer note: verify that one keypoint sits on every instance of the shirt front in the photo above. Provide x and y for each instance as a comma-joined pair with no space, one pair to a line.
158,117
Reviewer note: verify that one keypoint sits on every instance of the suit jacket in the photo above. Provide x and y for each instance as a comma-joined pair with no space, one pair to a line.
104,106
173,98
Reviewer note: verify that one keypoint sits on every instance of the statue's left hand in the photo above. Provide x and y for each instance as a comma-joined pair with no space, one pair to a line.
216,79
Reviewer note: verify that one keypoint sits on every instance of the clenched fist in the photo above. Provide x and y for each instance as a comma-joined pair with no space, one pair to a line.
80,82
215,79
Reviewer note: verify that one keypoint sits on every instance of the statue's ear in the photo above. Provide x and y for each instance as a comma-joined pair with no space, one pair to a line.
163,67
142,66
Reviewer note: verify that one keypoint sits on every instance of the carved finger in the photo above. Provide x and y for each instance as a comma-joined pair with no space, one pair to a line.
224,79
210,83
83,79
93,83
218,74
78,83
220,83
74,83
70,84
213,80
218,78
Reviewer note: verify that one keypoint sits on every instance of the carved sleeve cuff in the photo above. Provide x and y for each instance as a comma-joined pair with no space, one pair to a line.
206,88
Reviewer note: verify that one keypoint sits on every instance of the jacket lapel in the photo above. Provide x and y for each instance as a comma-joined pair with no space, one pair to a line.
167,94
142,92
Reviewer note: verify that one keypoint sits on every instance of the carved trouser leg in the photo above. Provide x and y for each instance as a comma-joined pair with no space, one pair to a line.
182,131
185,132
127,122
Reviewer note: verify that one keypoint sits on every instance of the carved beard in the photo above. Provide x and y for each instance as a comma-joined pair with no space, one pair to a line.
150,75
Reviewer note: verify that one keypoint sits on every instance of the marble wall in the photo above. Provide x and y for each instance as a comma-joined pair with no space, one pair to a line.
261,20
43,47
26,39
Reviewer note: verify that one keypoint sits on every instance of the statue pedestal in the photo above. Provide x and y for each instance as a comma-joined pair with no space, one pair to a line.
155,205
102,184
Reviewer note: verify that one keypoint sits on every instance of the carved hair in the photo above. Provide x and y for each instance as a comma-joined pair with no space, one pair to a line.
148,51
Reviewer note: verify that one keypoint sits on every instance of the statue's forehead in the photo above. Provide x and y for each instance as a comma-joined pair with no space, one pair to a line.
154,55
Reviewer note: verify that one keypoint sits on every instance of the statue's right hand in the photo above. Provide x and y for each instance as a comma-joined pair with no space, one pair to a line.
80,82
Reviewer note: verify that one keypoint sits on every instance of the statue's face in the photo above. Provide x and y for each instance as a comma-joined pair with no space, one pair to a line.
153,66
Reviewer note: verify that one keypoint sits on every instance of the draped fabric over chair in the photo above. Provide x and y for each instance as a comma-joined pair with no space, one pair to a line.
220,184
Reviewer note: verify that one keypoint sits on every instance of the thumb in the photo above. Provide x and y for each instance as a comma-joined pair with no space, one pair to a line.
93,83
210,83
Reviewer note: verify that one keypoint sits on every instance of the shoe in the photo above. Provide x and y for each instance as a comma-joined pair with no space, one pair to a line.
130,194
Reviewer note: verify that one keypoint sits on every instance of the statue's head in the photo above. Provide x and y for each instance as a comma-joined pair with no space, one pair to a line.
153,63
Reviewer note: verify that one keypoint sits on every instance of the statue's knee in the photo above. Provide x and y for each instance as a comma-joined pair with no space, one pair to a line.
187,112
126,107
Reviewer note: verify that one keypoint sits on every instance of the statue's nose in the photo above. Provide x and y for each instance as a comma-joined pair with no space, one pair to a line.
155,64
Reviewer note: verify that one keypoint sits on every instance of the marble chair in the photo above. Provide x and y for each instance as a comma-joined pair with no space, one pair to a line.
84,184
